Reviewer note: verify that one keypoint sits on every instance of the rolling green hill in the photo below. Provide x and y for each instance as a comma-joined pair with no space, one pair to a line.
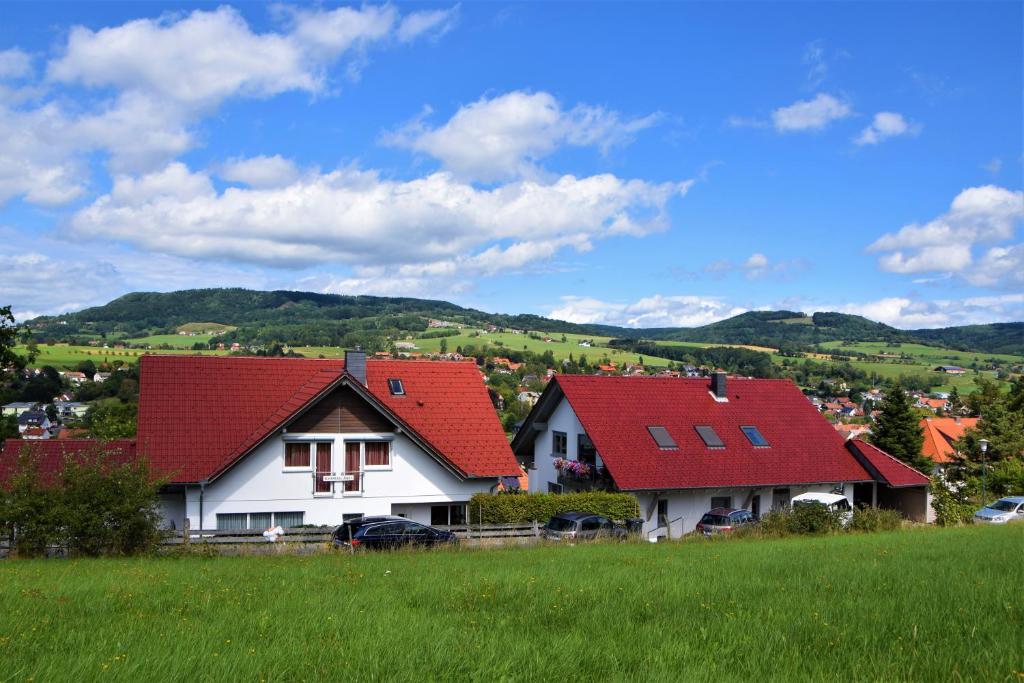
305,318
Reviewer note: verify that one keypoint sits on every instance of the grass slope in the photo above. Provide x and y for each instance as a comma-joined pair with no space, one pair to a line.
912,605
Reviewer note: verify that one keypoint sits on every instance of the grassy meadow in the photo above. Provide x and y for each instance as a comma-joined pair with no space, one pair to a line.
930,604
523,342
67,357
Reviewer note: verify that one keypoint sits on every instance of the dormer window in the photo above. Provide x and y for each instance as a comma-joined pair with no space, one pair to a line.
710,436
755,437
662,438
396,387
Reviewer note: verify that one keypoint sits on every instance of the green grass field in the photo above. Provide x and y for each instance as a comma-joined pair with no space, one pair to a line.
932,604
66,357
175,340
522,342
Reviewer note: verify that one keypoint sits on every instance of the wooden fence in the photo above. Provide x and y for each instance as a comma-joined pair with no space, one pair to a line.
323,534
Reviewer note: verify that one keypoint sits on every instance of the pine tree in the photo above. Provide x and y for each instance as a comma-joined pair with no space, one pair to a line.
898,430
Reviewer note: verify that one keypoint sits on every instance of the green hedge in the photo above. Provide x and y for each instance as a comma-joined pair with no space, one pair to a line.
506,508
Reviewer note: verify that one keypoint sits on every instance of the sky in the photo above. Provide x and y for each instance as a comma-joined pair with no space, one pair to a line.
638,164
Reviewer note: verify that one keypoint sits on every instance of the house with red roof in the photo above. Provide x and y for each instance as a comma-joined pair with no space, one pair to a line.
251,442
940,435
683,446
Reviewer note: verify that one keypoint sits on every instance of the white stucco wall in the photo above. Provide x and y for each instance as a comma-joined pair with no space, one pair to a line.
562,419
259,483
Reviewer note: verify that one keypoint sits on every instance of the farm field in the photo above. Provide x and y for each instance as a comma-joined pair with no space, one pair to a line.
927,354
929,604
175,340
557,347
66,357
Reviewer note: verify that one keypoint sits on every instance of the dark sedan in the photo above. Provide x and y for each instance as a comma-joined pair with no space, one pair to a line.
383,533
581,526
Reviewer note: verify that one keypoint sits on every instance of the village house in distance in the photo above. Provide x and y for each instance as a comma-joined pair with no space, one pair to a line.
684,446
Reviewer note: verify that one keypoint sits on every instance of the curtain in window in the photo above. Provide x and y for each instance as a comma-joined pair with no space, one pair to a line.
378,453
323,467
288,519
259,520
231,522
352,464
296,455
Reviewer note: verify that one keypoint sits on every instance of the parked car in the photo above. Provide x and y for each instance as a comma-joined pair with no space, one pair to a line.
1003,511
386,532
580,526
834,502
724,520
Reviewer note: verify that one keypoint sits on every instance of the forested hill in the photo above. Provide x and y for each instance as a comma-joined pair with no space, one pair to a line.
305,318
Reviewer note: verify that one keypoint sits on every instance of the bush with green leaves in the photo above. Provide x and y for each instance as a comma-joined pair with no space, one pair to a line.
875,519
504,508
951,502
98,504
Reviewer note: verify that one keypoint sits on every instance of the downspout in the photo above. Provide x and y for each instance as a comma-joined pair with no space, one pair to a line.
202,489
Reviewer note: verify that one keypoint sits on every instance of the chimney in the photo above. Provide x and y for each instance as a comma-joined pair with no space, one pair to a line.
355,365
718,384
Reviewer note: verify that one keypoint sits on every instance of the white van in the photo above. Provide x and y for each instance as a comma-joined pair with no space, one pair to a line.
833,501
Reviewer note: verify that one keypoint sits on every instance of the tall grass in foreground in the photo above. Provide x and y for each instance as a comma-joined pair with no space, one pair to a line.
911,605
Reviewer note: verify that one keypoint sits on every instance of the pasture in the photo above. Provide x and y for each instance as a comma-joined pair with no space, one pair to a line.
67,357
926,604
523,342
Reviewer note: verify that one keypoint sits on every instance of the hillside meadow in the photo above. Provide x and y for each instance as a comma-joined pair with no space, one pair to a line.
930,604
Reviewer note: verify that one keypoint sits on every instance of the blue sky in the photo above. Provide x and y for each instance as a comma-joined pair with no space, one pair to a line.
636,164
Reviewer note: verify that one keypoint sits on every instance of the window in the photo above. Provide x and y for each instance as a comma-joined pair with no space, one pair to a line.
755,437
445,515
238,521
709,436
721,502
559,443
585,451
324,463
378,454
554,488
352,466
663,512
591,524
396,387
842,505
755,506
296,455
662,438
350,515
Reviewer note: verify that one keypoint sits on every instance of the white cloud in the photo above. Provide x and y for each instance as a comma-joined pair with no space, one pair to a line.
886,124
356,217
15,63
907,313
814,114
260,171
1000,266
757,266
429,22
993,166
652,311
148,82
504,136
978,215
814,58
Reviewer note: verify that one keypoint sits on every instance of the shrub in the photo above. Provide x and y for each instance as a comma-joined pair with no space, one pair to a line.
951,505
813,519
506,509
29,515
875,519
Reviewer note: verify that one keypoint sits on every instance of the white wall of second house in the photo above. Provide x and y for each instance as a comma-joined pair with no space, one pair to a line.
685,508
562,419
259,483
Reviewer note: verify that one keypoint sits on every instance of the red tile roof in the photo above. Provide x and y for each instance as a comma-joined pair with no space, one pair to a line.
940,433
886,468
52,453
616,411
199,414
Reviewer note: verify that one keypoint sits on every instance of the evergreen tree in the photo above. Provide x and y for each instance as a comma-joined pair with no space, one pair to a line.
898,431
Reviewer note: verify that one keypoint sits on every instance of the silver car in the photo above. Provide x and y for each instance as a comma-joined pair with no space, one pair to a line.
1003,511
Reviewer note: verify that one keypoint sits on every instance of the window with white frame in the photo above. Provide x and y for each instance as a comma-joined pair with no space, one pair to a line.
445,515
297,455
238,521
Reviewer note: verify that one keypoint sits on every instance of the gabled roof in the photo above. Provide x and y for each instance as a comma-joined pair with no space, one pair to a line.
198,415
616,411
51,454
940,433
884,467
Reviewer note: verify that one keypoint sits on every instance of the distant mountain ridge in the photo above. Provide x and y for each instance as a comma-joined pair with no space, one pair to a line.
332,319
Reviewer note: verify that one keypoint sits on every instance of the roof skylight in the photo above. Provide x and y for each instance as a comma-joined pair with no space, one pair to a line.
396,387
755,437
710,436
662,437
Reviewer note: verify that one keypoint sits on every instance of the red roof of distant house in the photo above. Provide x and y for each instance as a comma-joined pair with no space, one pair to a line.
616,412
886,468
940,433
51,454
199,414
